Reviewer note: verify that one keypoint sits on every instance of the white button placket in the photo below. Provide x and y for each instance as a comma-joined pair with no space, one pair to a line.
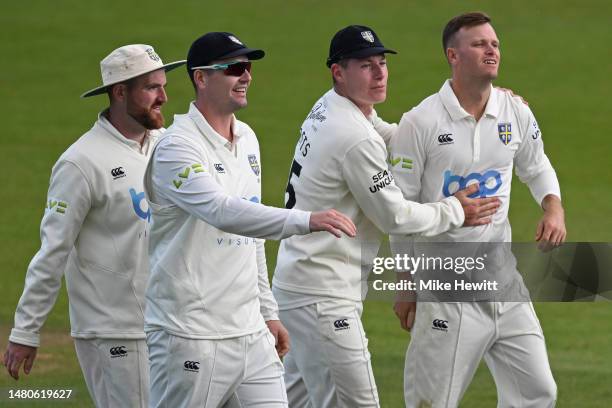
476,142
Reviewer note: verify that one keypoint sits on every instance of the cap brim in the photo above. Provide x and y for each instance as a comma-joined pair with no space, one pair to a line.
102,89
251,54
362,53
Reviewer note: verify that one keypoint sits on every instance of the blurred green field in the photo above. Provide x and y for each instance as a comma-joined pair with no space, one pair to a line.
555,54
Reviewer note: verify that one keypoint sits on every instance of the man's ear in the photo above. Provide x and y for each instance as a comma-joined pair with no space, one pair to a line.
119,91
199,78
451,55
337,72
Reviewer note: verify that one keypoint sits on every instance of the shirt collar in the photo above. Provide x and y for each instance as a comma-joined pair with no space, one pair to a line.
454,109
346,103
211,134
112,130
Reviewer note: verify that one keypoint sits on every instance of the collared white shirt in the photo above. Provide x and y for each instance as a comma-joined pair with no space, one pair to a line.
93,232
440,148
340,162
207,270
134,145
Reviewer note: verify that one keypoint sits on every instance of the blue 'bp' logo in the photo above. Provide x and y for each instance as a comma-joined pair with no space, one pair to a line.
489,183
137,198
253,199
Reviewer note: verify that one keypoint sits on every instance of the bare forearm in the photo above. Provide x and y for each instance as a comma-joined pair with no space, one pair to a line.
552,203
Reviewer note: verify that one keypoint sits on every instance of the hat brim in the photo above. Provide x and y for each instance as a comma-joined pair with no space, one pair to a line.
362,53
102,89
251,54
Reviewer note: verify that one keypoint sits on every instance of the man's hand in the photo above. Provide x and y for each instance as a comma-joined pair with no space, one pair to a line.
333,222
478,211
281,335
551,232
16,354
508,90
405,312
405,302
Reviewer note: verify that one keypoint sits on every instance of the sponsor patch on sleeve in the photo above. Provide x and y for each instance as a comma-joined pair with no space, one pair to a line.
380,180
186,173
402,163
534,130
57,206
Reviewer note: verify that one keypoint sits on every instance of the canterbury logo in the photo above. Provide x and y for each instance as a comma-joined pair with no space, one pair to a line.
341,324
118,351
445,138
191,365
117,172
440,324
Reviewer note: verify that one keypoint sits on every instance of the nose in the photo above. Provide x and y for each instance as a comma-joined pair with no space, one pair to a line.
162,96
378,71
246,76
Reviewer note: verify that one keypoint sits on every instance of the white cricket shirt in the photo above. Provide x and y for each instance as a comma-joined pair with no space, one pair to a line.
340,162
204,198
439,148
94,231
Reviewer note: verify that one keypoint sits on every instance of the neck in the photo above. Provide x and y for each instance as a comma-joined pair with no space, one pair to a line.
472,95
218,120
366,109
125,124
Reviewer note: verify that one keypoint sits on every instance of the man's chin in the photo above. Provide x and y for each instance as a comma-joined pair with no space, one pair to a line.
380,99
150,120
241,104
491,75
155,122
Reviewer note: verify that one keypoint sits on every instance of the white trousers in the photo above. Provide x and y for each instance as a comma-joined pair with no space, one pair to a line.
450,339
237,372
116,371
329,362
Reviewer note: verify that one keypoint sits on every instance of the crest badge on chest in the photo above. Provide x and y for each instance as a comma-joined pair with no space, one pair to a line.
254,164
504,130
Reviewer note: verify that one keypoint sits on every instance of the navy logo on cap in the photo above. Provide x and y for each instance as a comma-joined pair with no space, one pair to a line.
152,54
368,36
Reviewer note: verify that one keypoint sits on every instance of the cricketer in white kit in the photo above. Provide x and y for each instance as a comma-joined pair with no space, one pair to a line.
451,141
340,162
208,297
94,232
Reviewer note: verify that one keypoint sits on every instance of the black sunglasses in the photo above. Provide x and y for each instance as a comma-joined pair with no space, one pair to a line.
235,68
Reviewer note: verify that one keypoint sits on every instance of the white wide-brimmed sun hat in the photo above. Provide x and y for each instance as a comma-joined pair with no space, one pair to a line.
128,62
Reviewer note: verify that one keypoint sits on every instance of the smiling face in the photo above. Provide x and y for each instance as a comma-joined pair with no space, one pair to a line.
363,80
144,97
474,53
227,92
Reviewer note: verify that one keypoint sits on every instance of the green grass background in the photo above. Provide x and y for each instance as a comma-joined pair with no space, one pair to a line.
554,53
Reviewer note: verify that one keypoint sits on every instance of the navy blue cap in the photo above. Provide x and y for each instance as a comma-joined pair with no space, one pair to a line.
216,46
355,41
